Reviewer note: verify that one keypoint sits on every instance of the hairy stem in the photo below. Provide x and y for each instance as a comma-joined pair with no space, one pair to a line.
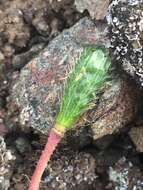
53,140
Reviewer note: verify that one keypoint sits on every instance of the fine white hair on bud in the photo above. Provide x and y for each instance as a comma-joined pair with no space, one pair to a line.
85,81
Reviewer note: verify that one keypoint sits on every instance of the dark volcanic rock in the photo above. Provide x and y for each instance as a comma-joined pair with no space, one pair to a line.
22,59
6,165
136,134
126,176
117,108
126,34
38,89
97,9
72,171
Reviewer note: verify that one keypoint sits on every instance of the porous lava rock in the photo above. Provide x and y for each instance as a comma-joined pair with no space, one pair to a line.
126,34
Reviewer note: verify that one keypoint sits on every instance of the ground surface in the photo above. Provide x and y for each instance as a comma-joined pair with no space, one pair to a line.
80,162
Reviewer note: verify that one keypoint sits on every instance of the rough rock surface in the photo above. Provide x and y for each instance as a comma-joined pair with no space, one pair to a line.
126,34
39,87
73,171
27,23
97,9
125,176
136,135
18,16
22,59
117,108
6,163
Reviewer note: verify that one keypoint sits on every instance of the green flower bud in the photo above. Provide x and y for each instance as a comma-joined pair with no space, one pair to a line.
87,79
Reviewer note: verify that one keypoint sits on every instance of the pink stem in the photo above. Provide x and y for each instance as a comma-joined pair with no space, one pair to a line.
52,142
